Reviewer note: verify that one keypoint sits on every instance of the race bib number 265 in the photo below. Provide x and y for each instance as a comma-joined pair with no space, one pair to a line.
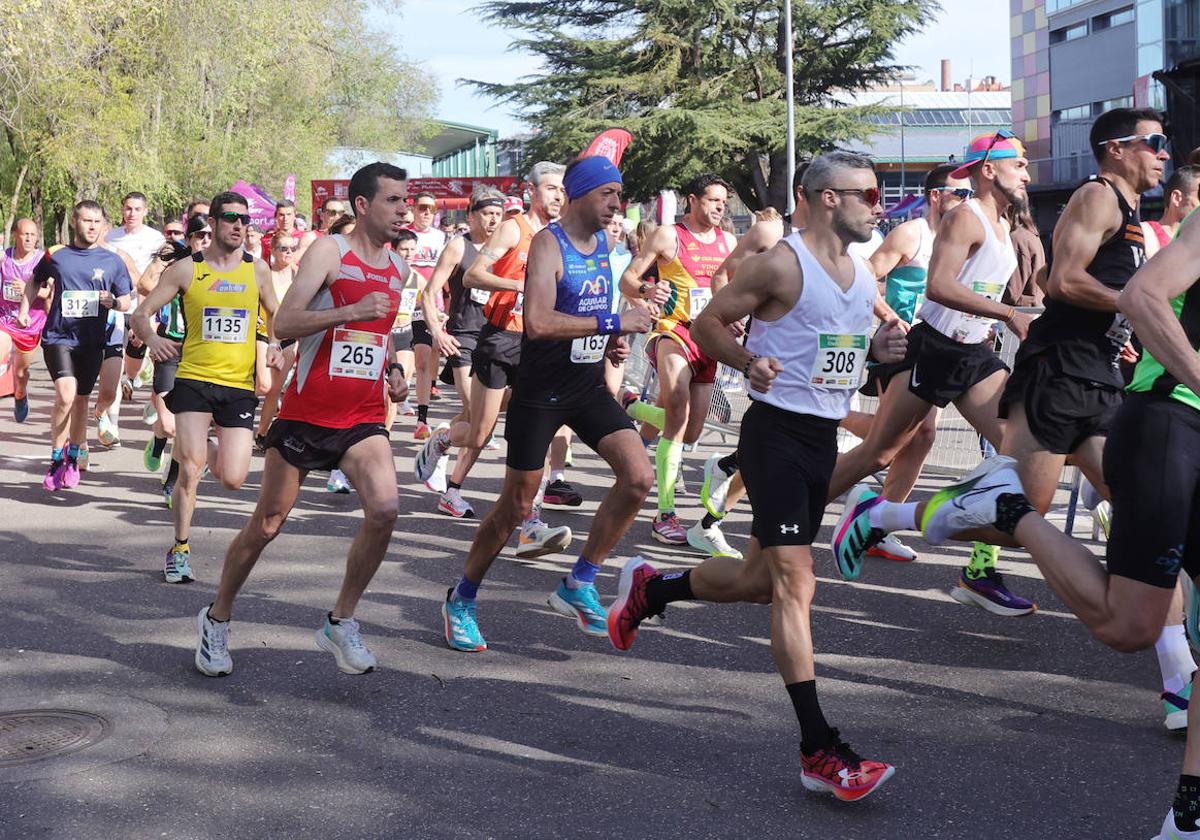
356,354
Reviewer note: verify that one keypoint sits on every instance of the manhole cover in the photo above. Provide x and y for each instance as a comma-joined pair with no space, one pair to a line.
31,735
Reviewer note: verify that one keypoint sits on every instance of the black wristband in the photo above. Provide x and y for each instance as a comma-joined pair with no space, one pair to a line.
399,367
746,369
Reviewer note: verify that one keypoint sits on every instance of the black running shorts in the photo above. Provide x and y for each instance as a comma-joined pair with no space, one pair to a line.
467,342
1061,411
164,375
496,357
421,334
941,369
231,408
82,363
308,447
529,427
786,460
1152,467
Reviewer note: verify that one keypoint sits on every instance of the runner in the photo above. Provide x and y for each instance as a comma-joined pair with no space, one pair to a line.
84,282
500,269
113,384
327,215
285,222
430,243
268,382
1180,197
569,332
16,269
221,288
405,245
341,308
458,337
812,307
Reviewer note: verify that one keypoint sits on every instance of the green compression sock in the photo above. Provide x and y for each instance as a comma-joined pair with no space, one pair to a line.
983,560
666,461
644,412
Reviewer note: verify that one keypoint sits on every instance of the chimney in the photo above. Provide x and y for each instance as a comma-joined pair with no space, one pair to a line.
945,74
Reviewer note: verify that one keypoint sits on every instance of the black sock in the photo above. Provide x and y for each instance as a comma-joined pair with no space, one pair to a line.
814,731
422,413
1010,508
708,521
160,443
1187,803
172,473
332,620
453,485
182,542
663,589
729,463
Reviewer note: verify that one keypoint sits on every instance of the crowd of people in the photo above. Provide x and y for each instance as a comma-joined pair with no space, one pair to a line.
307,345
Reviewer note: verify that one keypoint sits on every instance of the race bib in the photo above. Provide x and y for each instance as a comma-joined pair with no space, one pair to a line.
697,301
839,362
81,304
10,292
920,301
228,326
408,302
519,309
481,296
991,291
589,349
356,354
1120,332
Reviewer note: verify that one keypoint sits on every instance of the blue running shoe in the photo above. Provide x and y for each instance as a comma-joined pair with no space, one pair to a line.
1175,708
462,633
583,605
853,534
20,409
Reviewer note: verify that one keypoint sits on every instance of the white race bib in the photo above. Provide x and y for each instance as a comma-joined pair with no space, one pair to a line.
10,292
839,361
589,349
991,291
228,326
356,354
408,302
81,304
481,296
1120,331
519,309
698,299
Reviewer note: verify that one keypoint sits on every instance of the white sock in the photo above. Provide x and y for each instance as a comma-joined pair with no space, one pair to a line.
1174,658
894,516
558,475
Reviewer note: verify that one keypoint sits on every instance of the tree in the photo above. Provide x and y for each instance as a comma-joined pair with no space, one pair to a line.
700,84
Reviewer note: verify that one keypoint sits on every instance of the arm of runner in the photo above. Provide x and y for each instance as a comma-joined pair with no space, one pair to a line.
295,320
1148,234
898,246
307,239
118,295
544,322
1146,301
663,241
479,275
149,278
173,280
270,305
447,264
758,282
37,285
761,237
1090,217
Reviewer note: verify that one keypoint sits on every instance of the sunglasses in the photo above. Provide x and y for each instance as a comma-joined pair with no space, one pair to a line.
287,249
230,216
1002,134
1156,142
428,208
870,195
203,234
962,192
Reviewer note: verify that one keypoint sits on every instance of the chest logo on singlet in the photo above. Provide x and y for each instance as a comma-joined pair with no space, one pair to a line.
97,275
223,285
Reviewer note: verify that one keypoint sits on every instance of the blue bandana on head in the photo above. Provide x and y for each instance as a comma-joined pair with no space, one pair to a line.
590,173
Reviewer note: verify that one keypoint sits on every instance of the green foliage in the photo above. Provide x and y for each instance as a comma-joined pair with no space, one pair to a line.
700,84
179,100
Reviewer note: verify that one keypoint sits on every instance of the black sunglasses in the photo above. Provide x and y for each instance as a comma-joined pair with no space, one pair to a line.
962,192
230,216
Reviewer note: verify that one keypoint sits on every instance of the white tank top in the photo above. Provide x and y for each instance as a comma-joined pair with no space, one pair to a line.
986,272
822,341
924,248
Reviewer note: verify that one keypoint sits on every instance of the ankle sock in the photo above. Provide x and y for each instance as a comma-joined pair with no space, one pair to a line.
894,516
708,521
666,589
422,413
729,464
667,459
583,573
1174,658
160,443
983,560
1010,509
73,450
1186,807
466,590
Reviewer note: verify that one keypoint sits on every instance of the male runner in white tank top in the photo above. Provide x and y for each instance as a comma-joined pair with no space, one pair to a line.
812,306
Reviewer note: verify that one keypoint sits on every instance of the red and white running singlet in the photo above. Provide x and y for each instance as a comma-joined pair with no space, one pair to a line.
341,372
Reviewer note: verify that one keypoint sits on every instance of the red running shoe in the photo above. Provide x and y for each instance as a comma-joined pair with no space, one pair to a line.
628,611
837,769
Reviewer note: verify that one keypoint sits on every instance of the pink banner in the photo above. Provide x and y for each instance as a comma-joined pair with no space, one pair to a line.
262,208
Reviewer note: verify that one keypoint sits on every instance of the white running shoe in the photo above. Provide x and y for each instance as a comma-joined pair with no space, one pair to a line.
711,541
212,646
107,431
437,481
406,408
345,642
337,483
149,414
537,539
971,503
1170,832
453,504
431,453
715,487
890,548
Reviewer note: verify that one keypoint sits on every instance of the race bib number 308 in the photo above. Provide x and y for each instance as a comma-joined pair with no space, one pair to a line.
356,354
228,326
839,361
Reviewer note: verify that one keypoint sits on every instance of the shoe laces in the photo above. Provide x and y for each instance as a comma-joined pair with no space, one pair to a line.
841,751
350,634
218,636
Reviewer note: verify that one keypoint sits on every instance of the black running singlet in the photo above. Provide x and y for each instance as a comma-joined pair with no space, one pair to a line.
466,305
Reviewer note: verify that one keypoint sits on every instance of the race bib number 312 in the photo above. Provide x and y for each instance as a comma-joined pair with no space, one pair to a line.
81,304
839,361
356,354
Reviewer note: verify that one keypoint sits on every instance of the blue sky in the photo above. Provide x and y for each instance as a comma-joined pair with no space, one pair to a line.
451,42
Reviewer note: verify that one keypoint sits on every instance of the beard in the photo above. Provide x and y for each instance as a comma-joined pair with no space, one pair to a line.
1017,199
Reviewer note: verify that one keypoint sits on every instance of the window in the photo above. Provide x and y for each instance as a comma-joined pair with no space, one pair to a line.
1053,6
1070,33
1117,18
1109,104
1079,112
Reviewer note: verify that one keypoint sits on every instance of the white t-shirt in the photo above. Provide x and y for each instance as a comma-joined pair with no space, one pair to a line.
141,246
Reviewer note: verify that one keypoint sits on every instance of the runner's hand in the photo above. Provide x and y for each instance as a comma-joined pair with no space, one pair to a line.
275,357
162,349
447,345
737,329
397,386
1020,324
661,293
762,373
618,351
372,307
23,320
637,320
890,342
106,299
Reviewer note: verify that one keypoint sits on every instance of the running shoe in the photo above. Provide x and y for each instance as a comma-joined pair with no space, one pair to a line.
149,414
1171,832
629,610
492,444
422,432
562,494
69,477
715,487
890,548
583,605
345,642
971,503
406,408
711,541
84,459
260,443
668,529
853,535
435,393
1103,514
453,504
839,770
1175,708
212,646
462,633
145,376
538,539
150,461
20,409
126,388
53,478
431,453
337,483
437,481
107,430
177,569
990,593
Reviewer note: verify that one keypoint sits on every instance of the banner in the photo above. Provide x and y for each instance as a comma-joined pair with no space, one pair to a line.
451,193
261,205
610,144
289,188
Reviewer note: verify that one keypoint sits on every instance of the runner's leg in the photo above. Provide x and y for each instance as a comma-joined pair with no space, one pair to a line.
368,465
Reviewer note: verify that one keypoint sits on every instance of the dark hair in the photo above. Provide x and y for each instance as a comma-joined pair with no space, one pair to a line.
170,251
196,202
341,224
365,182
325,203
938,176
87,204
1183,179
198,223
1118,122
139,196
799,176
404,236
424,194
284,202
702,182
222,200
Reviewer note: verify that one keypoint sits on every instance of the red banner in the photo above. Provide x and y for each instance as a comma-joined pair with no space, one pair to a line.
610,144
451,193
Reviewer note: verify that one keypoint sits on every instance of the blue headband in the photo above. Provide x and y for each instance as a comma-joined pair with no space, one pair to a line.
590,173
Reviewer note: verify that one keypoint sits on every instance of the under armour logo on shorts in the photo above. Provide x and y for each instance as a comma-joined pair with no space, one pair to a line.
789,529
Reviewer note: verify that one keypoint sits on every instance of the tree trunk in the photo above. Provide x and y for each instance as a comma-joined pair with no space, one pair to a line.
12,204
777,176
37,207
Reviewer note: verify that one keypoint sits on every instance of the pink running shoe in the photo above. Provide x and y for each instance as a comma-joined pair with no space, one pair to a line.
70,474
668,529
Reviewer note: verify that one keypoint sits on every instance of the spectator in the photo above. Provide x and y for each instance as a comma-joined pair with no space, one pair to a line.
1025,287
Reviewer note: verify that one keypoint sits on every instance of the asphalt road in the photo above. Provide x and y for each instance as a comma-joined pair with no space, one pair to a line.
999,727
